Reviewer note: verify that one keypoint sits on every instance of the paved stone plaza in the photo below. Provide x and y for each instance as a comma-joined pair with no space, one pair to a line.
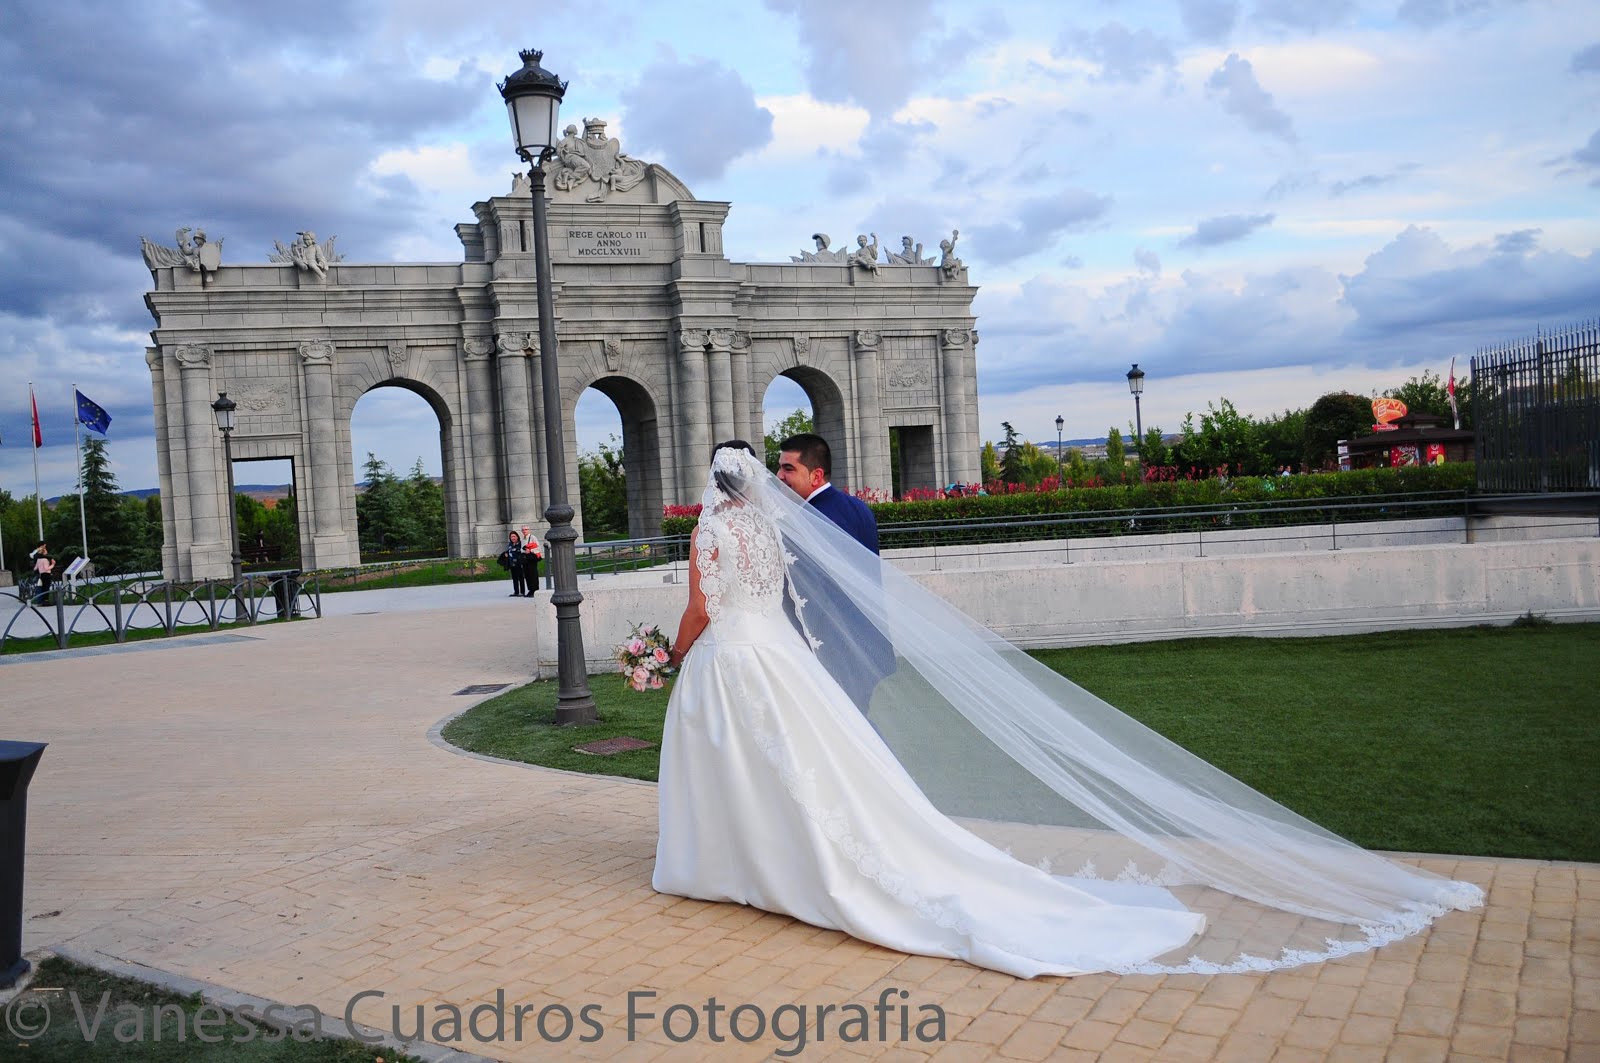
269,814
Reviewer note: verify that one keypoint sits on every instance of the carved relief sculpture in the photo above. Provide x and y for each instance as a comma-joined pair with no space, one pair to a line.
478,346
722,337
515,342
596,158
909,375
397,354
866,255
741,341
866,338
955,337
192,355
802,348
693,339
317,352
908,255
613,354
264,398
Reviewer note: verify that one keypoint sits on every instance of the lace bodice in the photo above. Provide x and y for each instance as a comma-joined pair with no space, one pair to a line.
747,572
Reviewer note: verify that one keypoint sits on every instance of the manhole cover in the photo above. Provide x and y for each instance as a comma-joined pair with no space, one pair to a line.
608,746
483,688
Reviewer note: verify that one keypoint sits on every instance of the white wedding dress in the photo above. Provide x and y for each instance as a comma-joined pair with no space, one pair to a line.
935,828
776,792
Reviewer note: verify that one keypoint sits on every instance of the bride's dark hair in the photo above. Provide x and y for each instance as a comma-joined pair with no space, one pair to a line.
724,481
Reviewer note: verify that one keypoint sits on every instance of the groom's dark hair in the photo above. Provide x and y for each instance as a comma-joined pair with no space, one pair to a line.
813,450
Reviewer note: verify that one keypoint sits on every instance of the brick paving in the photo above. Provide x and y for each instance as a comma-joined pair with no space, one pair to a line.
269,815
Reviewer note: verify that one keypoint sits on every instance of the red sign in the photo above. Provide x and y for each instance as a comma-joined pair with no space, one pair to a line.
1435,454
1386,410
1401,456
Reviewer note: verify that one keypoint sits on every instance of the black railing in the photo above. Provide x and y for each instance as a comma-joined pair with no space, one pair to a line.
1536,413
117,611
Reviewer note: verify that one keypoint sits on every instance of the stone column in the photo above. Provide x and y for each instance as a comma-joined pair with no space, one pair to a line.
745,422
169,523
484,445
516,431
327,516
872,441
693,406
953,358
206,547
720,373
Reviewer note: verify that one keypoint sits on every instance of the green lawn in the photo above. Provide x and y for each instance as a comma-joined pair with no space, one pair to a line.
1480,741
129,1002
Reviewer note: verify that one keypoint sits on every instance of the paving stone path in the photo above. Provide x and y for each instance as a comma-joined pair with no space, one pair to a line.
269,814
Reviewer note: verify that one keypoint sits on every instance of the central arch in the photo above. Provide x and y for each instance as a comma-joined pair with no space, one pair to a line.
828,419
449,460
642,453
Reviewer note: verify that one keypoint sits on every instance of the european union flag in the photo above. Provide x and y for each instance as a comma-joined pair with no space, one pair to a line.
91,415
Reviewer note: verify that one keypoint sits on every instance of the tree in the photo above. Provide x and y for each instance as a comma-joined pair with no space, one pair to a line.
1427,394
1337,415
1225,438
603,486
1284,438
384,521
1012,470
1154,452
989,463
792,425
425,499
1116,464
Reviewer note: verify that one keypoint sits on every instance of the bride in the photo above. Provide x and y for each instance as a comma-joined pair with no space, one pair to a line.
974,805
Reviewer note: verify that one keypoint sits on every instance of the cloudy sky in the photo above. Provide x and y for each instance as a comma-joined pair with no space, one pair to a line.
1258,199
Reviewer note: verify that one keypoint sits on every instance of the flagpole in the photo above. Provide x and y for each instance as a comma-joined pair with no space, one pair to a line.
38,498
77,438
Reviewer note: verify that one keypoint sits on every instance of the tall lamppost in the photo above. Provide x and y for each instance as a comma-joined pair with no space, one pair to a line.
1061,474
1136,385
533,100
224,408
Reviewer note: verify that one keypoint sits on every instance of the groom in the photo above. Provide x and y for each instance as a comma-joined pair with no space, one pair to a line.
861,657
805,463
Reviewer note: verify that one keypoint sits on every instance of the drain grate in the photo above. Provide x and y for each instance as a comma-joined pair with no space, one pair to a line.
483,688
607,747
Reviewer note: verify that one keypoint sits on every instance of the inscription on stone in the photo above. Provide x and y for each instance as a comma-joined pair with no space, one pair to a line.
607,243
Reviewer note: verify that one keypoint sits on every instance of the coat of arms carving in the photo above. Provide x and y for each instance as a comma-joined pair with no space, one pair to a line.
594,158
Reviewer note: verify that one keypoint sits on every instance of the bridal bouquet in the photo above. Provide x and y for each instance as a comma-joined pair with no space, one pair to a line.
642,659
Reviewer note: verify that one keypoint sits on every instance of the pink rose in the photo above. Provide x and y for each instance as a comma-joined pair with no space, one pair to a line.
655,682
660,656
636,646
640,675
638,686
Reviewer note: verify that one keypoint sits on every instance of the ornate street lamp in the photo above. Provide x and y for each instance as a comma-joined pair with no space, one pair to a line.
224,408
533,101
1136,385
1061,474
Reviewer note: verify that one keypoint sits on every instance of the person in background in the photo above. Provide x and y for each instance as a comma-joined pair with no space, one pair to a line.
44,567
516,560
532,554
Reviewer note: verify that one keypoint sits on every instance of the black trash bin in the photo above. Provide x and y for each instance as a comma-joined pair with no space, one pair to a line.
17,761
286,589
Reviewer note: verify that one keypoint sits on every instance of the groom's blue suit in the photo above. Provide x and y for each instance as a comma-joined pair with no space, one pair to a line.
869,657
849,513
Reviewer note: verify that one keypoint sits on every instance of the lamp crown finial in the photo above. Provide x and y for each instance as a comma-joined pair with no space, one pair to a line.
530,55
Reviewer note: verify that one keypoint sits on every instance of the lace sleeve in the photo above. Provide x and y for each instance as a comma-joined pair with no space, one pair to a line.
705,562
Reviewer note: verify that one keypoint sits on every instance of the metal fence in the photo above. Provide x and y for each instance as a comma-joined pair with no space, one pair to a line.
116,611
1536,412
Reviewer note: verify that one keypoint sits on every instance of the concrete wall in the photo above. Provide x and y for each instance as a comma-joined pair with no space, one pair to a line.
1291,593
1229,542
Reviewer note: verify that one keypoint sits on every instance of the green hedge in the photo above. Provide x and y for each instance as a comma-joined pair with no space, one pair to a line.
1137,498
